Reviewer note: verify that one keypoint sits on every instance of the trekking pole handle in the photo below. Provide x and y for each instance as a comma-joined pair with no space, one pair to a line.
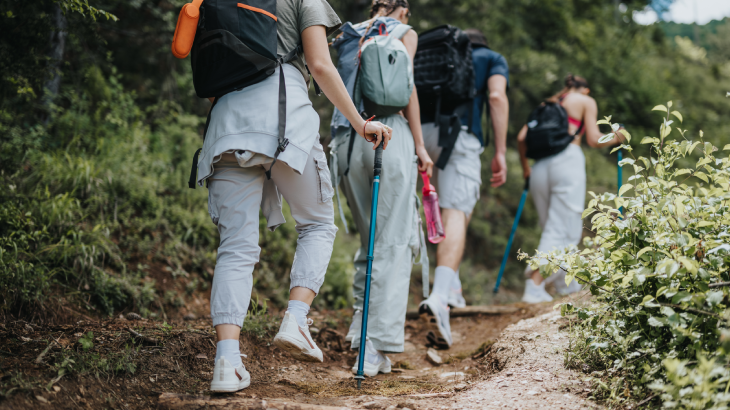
378,159
527,184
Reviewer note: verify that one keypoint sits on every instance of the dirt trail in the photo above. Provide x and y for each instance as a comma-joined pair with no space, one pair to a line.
176,361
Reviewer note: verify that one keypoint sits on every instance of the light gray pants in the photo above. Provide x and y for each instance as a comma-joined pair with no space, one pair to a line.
234,197
397,235
558,188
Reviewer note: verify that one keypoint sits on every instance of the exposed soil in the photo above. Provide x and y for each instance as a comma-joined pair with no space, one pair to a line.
133,362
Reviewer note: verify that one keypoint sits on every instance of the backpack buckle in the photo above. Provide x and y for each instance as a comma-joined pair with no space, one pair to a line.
283,144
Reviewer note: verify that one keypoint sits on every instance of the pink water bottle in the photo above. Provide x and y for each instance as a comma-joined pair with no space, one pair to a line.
433,211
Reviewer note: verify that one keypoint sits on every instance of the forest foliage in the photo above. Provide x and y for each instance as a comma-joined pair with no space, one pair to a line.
95,145
659,324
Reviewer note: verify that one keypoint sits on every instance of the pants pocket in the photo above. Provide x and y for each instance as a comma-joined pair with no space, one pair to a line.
212,210
326,191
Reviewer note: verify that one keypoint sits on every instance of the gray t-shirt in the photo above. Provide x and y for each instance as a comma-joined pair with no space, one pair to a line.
296,15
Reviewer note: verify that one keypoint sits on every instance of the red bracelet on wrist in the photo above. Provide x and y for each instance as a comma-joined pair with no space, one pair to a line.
364,127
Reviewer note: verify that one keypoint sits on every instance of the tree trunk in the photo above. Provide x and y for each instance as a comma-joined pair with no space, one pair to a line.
57,44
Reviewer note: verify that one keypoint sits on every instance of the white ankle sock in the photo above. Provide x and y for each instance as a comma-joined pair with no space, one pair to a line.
299,310
229,349
442,282
456,282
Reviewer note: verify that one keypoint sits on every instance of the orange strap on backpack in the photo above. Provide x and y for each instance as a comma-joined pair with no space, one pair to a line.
187,24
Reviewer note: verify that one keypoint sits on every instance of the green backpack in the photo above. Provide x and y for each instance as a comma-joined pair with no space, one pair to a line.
385,77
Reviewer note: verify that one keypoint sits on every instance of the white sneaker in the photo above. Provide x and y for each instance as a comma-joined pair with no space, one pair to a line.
355,326
228,379
456,299
297,340
375,361
438,319
535,293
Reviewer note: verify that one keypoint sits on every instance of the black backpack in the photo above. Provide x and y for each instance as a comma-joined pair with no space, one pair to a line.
547,131
236,46
444,76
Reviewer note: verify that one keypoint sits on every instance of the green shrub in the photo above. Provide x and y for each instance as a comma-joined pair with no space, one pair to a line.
659,273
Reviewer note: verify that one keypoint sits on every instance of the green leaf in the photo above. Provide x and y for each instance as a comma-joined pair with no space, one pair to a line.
606,138
714,297
682,297
625,188
643,251
727,147
701,175
626,134
654,322
647,298
678,115
600,122
659,108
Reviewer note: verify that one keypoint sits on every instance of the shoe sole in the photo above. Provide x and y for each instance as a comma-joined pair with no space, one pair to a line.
435,336
228,387
385,370
291,346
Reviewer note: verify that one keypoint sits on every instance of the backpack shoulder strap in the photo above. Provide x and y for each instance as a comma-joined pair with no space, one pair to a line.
400,30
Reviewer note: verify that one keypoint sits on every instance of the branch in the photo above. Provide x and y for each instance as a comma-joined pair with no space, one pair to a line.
719,284
698,311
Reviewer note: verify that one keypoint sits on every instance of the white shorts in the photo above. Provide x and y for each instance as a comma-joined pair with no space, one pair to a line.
458,184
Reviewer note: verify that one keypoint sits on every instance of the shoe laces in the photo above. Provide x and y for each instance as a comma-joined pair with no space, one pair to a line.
310,321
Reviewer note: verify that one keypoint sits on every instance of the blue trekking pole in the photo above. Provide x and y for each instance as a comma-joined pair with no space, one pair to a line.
512,234
620,176
371,244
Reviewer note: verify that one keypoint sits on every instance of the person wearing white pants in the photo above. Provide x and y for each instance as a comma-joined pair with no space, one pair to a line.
241,144
558,185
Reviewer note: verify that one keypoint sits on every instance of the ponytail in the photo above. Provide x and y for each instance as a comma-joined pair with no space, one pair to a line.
381,8
571,81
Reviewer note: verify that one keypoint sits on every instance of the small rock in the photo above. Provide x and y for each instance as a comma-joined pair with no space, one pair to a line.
56,389
41,399
373,405
460,386
189,316
508,373
407,377
532,392
201,356
537,378
121,317
451,374
133,316
433,357
523,382
396,370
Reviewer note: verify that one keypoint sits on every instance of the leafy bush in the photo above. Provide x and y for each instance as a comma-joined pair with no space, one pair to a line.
658,266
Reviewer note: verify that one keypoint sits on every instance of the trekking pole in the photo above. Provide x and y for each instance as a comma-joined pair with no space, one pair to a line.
371,244
512,234
620,177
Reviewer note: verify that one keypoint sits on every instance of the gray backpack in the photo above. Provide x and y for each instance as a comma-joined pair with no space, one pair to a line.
385,77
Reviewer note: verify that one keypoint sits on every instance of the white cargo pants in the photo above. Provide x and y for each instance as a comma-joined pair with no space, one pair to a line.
235,195
398,237
558,188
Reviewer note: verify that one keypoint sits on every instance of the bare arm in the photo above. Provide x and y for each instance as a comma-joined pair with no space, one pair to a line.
522,147
412,112
593,133
499,111
316,51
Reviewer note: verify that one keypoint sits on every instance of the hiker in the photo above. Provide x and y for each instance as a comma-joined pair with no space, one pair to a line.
398,222
458,182
558,184
240,149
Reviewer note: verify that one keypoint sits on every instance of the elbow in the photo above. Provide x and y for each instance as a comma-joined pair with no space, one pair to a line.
319,68
497,98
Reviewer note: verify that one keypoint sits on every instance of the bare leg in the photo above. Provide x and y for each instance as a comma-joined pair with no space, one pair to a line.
451,249
302,294
536,277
